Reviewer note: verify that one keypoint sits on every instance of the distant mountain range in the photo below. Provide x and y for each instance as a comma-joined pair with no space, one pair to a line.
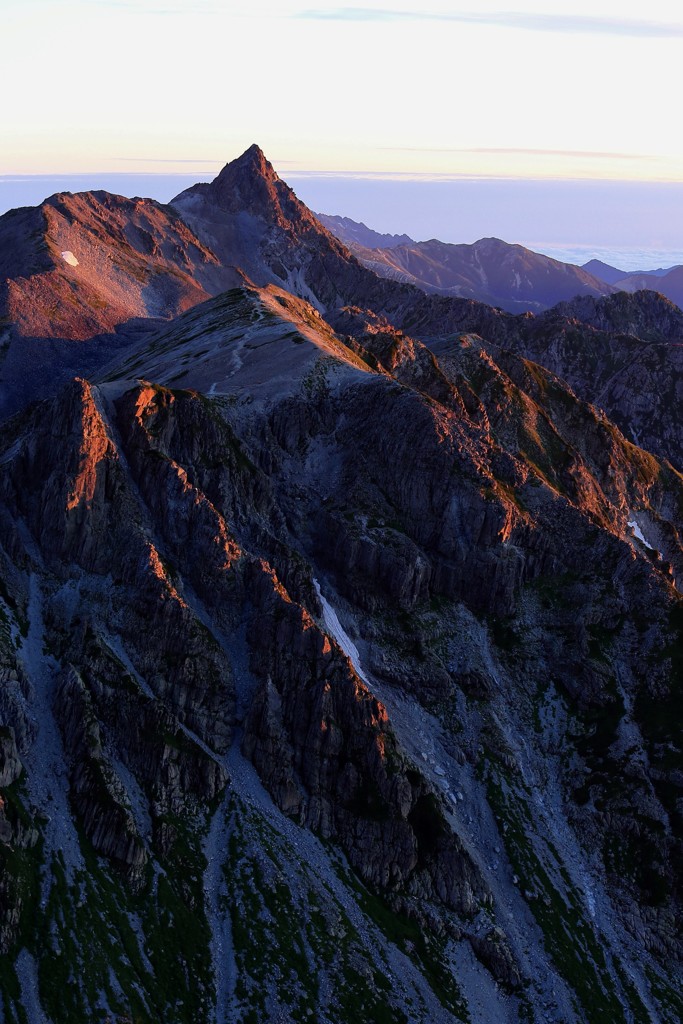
669,283
613,276
492,271
353,233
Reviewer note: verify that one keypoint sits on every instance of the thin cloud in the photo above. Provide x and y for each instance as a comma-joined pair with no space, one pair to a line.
165,160
520,20
163,8
421,176
204,162
661,181
82,176
504,151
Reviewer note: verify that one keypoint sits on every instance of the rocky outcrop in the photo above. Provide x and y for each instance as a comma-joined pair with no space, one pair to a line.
19,837
10,763
70,484
493,951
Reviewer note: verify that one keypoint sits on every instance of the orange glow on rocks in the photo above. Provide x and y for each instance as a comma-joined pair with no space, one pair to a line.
279,589
221,538
157,567
148,397
95,447
506,529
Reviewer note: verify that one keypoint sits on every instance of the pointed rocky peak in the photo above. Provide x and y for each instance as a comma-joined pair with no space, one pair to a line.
250,184
255,159
250,176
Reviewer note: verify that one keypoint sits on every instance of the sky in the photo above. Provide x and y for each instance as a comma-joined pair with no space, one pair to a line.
465,91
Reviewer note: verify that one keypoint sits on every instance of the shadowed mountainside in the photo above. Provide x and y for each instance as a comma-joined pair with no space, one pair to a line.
182,558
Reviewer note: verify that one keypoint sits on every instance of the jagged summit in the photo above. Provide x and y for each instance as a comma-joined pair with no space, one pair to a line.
250,184
245,172
254,156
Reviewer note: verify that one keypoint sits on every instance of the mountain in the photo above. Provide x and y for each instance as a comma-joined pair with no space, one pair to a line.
352,233
490,270
604,272
139,261
669,284
201,719
659,272
339,647
250,216
90,268
494,272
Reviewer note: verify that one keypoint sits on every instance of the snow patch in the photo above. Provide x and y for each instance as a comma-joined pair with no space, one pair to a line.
296,283
337,631
69,258
638,534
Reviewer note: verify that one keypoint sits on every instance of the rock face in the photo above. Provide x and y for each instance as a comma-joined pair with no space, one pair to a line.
325,750
337,670
644,314
622,353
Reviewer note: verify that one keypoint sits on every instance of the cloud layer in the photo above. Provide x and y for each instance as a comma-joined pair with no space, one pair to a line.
520,20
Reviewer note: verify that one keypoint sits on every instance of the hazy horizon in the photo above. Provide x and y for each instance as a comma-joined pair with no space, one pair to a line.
631,225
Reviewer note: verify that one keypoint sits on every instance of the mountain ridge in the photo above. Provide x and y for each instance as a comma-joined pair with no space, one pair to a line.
488,270
353,232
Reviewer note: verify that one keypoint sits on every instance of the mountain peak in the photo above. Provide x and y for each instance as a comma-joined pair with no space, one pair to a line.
254,161
248,181
249,184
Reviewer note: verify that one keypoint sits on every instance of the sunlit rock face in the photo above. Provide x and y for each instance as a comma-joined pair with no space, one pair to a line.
337,670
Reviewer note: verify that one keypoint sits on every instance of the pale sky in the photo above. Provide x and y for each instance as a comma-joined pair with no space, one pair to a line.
467,87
